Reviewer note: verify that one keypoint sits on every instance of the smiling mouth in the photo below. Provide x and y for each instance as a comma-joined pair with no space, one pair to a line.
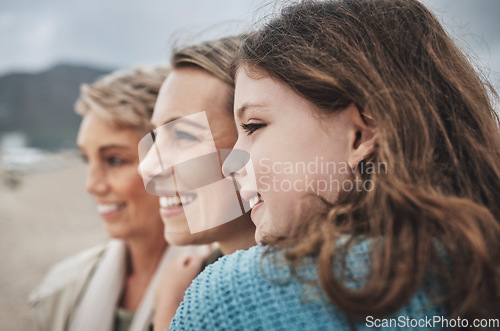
176,201
255,200
110,208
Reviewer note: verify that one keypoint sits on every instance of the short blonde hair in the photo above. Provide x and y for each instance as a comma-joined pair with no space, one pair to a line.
124,98
216,57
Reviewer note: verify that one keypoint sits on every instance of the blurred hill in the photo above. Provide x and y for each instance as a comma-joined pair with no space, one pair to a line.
41,104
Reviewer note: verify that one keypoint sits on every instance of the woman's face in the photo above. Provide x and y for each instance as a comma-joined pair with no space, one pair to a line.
112,159
187,144
294,152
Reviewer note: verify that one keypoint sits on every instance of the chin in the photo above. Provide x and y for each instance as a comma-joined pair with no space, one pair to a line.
258,237
116,233
181,239
186,238
178,239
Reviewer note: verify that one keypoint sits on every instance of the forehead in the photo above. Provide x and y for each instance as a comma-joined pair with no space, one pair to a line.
189,90
257,89
258,82
95,132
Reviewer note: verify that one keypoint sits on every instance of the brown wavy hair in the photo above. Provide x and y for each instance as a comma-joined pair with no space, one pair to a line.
438,136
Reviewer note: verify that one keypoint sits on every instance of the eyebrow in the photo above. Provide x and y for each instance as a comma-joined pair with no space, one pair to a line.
108,147
183,120
240,111
104,149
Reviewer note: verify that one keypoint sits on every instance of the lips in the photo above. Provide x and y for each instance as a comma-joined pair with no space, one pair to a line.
172,204
252,196
174,201
107,208
255,200
111,211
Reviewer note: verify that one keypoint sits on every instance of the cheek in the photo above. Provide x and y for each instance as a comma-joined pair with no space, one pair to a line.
283,203
225,144
129,185
145,206
280,213
198,172
225,134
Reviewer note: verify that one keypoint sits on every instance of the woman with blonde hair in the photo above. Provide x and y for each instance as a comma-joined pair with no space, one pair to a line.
111,287
400,226
194,131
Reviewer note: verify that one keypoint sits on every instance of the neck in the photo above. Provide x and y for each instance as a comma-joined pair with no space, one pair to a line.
241,235
144,254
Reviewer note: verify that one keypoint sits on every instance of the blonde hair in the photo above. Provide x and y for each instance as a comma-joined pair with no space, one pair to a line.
125,98
216,57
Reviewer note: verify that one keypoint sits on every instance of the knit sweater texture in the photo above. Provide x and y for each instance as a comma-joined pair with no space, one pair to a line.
246,291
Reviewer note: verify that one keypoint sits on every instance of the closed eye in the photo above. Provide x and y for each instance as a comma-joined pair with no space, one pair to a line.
116,161
183,135
250,128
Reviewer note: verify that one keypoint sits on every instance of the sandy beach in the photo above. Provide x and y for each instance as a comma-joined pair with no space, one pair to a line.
46,219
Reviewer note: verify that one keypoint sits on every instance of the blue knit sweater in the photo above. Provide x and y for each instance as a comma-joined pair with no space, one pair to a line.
242,291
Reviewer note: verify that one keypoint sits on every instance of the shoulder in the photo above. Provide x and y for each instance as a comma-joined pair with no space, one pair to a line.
74,269
253,290
215,293
247,290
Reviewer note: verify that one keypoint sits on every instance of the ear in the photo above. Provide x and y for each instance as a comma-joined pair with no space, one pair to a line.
363,136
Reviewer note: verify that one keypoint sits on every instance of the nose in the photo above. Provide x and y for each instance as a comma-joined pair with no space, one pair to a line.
95,183
235,163
151,164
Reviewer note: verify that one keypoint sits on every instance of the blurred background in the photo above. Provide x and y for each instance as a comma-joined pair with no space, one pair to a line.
49,48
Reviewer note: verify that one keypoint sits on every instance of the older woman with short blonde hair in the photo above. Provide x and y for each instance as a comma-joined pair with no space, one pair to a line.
110,287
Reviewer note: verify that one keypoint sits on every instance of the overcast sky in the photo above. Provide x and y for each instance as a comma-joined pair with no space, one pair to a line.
35,34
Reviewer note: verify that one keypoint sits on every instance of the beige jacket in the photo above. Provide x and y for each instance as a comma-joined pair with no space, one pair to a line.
83,291
55,299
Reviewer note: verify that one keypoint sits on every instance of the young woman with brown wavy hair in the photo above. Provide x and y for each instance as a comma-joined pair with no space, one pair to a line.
379,88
